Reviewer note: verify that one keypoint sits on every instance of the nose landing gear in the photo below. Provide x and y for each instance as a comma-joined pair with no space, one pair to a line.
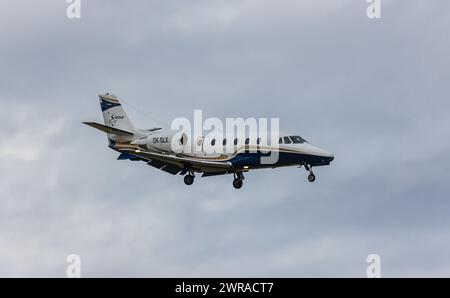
238,180
311,176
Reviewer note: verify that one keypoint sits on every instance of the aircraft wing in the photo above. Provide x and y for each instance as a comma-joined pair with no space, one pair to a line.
174,164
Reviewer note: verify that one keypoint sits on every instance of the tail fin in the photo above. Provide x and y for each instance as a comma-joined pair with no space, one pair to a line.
114,115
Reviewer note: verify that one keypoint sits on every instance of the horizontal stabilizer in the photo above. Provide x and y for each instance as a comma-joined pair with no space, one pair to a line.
109,130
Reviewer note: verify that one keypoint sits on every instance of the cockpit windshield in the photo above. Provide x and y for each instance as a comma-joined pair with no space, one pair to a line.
298,139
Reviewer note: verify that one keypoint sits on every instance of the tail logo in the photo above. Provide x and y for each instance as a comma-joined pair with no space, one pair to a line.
106,105
114,118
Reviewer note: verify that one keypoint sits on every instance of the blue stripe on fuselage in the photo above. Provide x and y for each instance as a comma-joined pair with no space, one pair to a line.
253,159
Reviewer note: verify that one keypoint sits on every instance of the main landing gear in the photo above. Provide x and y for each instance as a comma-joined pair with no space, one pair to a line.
311,176
238,180
189,178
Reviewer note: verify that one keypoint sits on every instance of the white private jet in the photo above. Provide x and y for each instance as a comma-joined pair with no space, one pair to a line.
153,146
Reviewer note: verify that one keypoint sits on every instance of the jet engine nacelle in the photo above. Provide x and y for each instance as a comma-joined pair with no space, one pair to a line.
167,142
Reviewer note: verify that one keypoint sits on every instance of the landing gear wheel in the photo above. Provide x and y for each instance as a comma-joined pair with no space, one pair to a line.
237,183
311,177
188,179
238,180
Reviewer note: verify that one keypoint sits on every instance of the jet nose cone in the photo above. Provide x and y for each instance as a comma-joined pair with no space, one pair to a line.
328,157
331,157
324,153
323,157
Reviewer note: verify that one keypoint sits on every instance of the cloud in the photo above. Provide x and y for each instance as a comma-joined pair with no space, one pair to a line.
29,136
372,92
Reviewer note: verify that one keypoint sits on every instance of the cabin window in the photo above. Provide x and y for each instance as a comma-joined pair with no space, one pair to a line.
247,141
224,142
280,140
287,140
258,141
213,142
235,141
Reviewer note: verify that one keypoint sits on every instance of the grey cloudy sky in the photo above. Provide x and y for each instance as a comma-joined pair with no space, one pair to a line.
374,92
